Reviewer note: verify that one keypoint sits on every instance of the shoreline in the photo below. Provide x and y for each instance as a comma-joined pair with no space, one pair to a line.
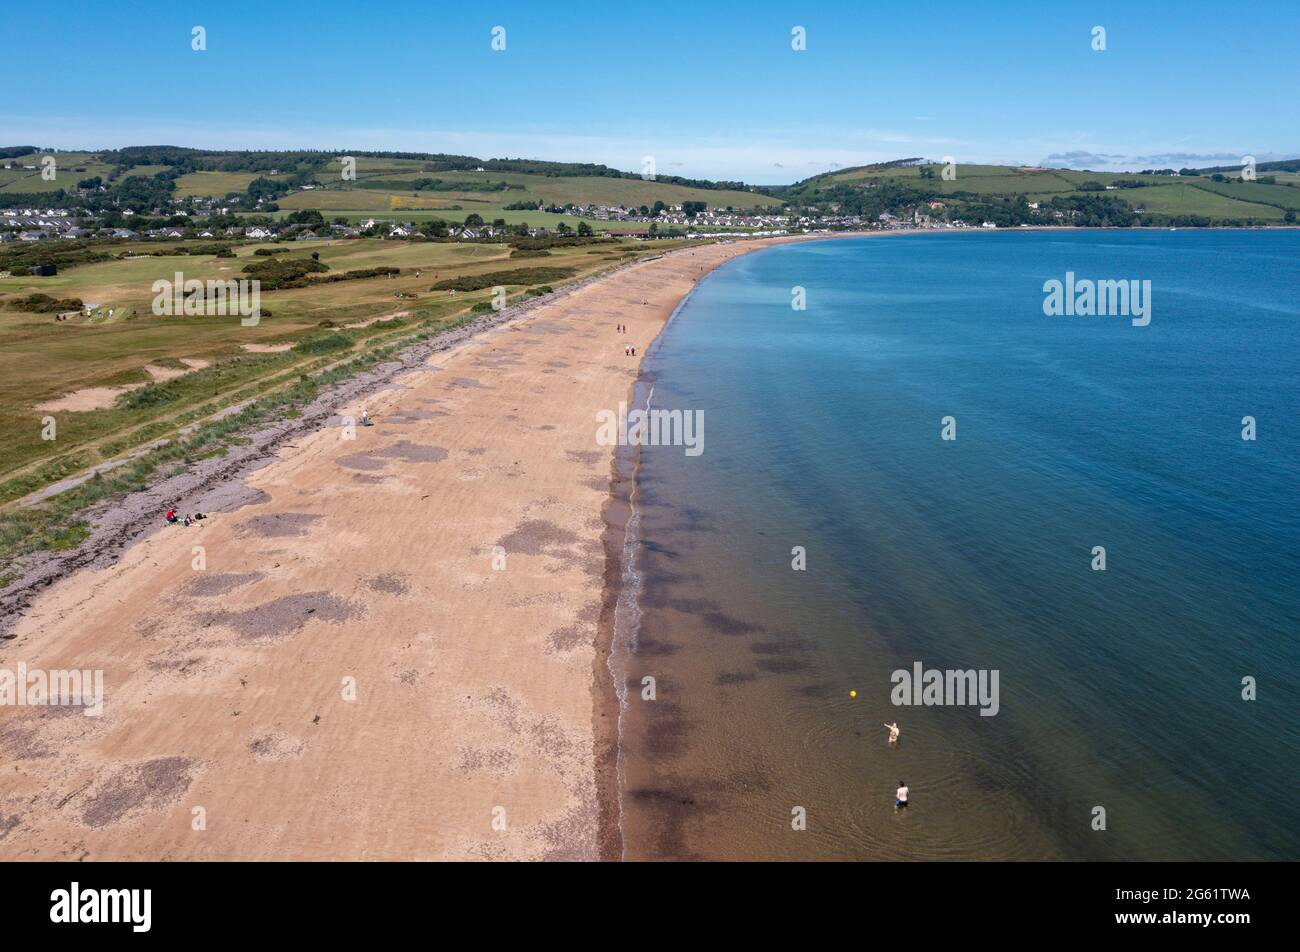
254,479
619,542
368,561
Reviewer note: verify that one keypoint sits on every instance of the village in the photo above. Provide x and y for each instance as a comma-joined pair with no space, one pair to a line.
193,219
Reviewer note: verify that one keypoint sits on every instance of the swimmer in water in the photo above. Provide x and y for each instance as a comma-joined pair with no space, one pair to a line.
893,733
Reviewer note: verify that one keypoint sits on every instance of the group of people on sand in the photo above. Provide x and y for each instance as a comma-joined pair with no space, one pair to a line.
189,520
629,351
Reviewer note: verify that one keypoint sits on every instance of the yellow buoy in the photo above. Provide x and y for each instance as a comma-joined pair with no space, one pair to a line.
853,694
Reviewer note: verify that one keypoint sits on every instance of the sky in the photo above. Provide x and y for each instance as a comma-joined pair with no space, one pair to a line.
708,89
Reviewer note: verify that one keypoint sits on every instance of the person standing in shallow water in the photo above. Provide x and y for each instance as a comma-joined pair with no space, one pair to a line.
900,797
893,733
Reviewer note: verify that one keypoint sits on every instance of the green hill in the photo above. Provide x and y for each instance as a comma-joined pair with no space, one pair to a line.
1006,194
450,186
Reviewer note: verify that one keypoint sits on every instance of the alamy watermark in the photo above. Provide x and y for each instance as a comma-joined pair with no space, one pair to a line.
1084,297
950,687
36,687
211,298
651,427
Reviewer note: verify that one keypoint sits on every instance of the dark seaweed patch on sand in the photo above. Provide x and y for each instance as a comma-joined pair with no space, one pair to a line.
390,584
278,525
550,738
535,537
412,452
147,786
275,746
407,417
403,450
283,616
498,760
504,709
23,743
567,638
206,586
183,665
360,461
590,457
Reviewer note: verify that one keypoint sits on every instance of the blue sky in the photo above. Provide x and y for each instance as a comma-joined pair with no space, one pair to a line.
709,89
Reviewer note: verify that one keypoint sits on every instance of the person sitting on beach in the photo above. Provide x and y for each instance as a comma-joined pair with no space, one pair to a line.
188,520
900,796
893,732
365,418
171,516
198,516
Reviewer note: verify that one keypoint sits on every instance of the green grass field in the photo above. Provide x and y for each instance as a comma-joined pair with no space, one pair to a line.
216,184
69,168
576,189
42,359
1187,198
1160,194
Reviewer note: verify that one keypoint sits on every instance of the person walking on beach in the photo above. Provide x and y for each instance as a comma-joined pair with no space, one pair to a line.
893,733
900,797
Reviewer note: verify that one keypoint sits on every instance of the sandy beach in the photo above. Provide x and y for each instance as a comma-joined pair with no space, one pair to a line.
395,651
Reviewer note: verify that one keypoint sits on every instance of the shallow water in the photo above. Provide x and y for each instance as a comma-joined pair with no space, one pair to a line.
1119,689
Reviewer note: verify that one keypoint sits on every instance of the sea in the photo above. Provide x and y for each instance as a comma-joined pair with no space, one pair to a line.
1060,551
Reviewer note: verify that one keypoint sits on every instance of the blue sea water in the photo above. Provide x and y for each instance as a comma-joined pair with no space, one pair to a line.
1120,691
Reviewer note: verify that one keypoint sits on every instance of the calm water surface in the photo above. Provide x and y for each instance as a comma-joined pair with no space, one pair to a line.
1119,689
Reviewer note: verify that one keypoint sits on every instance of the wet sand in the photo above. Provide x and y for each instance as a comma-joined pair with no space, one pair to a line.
396,650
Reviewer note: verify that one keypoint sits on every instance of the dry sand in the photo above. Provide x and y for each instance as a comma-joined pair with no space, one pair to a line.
350,677
266,348
101,398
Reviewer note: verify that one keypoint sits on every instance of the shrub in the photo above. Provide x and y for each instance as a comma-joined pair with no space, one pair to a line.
44,304
323,345
519,276
147,397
